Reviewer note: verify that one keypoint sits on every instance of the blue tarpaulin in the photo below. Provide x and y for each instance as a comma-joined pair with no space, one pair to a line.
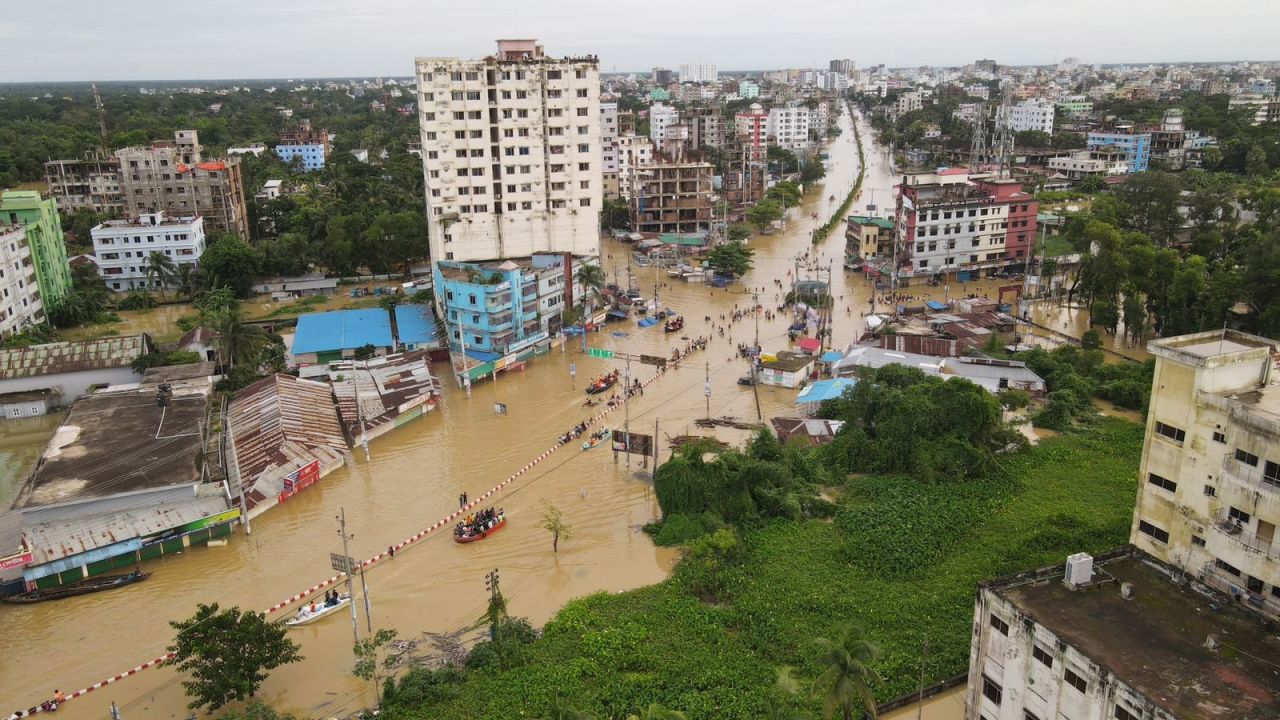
831,356
824,390
935,305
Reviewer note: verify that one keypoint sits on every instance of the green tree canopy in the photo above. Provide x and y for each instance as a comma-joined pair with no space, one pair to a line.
228,654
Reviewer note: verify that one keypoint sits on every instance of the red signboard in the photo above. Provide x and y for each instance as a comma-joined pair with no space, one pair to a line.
300,479
14,561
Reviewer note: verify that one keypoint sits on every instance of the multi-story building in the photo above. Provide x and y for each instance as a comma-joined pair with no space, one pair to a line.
509,306
748,90
1034,114
123,247
789,126
909,102
951,222
660,118
1075,107
304,145
1081,164
672,197
634,152
1266,108
173,178
20,304
699,73
1136,145
1209,482
663,77
609,147
867,239
511,153
706,127
752,127
842,67
43,227
966,112
978,90
89,184
1121,636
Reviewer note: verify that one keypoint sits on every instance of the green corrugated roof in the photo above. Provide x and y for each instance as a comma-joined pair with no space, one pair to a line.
674,239
885,223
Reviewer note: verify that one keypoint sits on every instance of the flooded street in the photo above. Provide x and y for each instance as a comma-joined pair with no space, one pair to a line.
413,480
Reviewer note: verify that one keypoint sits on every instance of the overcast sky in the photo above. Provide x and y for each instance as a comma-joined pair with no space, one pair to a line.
182,39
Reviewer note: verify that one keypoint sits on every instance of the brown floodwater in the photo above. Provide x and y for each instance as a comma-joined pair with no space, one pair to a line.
414,478
946,705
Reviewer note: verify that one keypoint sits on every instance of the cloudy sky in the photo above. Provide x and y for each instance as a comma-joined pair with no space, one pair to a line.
181,39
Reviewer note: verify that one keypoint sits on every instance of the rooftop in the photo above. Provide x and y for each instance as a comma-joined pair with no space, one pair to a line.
279,418
883,223
1156,641
342,330
416,324
65,357
388,386
20,200
119,442
789,362
1199,348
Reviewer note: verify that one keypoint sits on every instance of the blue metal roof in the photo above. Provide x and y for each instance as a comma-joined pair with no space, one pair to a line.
824,390
342,330
416,324
831,356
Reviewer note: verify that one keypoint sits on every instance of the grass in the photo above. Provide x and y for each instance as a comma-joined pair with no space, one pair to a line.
1055,246
914,582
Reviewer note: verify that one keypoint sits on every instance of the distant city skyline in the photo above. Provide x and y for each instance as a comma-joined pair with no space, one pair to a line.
139,40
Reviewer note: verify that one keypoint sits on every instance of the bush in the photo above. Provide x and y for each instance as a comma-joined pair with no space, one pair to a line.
682,529
187,323
136,300
703,570
1014,398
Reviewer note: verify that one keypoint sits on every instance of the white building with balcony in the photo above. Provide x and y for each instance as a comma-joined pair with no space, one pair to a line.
1034,114
789,127
123,247
20,304
1209,482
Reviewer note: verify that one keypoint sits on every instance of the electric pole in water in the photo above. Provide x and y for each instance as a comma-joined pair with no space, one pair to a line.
491,584
346,553
755,359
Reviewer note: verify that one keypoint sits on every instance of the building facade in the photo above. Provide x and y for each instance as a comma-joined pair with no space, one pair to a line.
89,184
39,218
172,177
1032,115
1209,482
672,198
661,117
20,305
123,247
1136,146
308,146
698,73
789,127
511,153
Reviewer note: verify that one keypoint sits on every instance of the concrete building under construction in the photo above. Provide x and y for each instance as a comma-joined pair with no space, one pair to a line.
92,183
672,197
171,176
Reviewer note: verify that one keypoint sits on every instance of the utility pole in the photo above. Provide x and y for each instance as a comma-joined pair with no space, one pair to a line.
491,584
706,389
346,554
920,701
626,408
102,117
755,359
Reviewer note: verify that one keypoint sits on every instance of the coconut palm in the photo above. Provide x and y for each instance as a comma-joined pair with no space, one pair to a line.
237,342
843,683
592,278
161,267
657,712
186,279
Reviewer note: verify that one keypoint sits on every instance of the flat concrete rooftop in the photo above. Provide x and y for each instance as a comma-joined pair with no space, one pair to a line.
1156,641
118,442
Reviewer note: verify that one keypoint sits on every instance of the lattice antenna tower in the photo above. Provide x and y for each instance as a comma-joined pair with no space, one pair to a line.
978,142
1003,137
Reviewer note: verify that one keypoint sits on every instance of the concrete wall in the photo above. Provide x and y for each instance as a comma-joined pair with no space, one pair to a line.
67,387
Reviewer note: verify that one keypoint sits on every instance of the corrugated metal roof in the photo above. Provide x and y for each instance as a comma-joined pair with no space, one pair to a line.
65,357
55,539
388,386
415,324
277,410
342,330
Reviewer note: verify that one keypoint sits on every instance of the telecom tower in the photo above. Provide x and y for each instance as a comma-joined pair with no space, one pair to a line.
1002,141
978,142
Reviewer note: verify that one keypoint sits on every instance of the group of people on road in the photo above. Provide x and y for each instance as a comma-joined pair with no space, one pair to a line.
49,705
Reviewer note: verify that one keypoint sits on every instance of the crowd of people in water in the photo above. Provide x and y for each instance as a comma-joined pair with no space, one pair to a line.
49,705
479,523
575,432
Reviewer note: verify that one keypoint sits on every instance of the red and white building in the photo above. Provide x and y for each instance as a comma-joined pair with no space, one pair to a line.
752,127
954,222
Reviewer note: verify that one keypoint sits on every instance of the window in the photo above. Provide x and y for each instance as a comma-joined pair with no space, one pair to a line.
1042,655
584,147
1001,626
1028,715
1254,584
991,690
1076,681
1226,567
1162,483
1155,532
553,74
1238,515
584,167
1246,457
1271,473
1210,490
1197,541
1171,432
582,112
582,92
584,202
580,74
1123,714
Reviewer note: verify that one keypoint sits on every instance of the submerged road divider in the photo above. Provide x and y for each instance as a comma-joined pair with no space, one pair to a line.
448,519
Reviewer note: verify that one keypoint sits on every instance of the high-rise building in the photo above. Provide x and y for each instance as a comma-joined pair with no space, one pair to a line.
123,247
843,67
663,77
20,305
1209,482
660,118
698,72
39,218
706,127
1034,114
172,177
609,147
789,126
89,184
511,153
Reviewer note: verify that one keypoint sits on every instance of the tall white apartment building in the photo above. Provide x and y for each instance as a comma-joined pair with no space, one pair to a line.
698,72
609,137
634,152
20,304
123,247
789,126
511,153
1033,114
660,118
1209,482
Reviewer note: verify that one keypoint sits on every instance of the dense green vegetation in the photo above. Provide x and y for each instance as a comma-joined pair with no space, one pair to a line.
901,562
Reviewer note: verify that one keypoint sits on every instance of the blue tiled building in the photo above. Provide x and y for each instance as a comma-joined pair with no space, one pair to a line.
1136,145
312,155
493,307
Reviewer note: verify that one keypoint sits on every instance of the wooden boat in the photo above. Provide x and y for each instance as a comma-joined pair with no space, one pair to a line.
675,325
596,440
84,587
321,612
602,384
480,535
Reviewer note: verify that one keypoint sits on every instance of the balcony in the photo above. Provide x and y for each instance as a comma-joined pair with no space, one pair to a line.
500,322
1224,582
1249,477
1236,531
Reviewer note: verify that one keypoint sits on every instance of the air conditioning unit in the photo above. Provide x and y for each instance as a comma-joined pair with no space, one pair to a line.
1079,569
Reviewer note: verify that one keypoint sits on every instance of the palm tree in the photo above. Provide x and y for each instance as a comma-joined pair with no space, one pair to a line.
237,341
657,712
592,278
160,266
844,682
186,277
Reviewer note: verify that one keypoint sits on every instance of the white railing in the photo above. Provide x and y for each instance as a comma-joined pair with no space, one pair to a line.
1224,582
1234,529
1247,475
